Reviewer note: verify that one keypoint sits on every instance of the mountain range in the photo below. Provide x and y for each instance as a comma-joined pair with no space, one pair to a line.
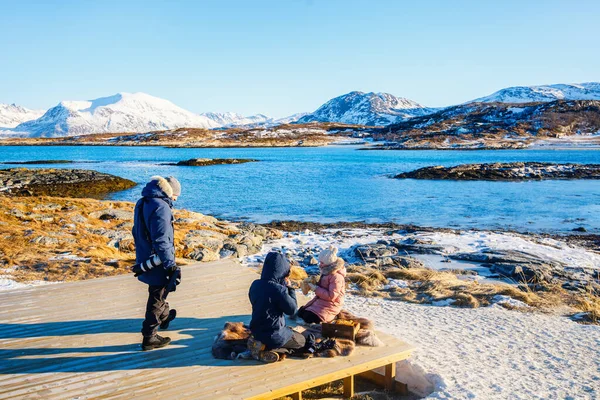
140,112
12,115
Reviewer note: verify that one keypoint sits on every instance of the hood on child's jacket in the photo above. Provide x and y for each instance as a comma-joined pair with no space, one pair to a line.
337,266
275,268
271,299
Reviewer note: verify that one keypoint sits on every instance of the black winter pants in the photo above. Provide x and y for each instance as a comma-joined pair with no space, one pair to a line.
157,310
309,316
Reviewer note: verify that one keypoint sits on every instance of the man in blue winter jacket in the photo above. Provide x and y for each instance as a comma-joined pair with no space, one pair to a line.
154,236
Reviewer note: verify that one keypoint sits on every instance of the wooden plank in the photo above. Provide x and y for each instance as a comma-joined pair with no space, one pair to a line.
83,348
349,387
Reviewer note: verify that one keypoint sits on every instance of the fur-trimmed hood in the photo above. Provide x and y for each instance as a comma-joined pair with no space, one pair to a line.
337,266
158,187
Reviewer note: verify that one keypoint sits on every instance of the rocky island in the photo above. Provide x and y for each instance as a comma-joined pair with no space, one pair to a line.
205,162
60,182
517,171
311,134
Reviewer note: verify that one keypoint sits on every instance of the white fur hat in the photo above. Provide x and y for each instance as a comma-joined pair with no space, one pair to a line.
170,185
329,255
175,185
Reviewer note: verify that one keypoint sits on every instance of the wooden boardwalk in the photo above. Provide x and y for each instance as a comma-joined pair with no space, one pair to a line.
81,340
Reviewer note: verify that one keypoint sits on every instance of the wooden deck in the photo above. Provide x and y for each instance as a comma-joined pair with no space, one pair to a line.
81,340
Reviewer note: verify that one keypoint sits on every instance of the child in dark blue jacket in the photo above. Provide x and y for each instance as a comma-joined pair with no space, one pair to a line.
271,298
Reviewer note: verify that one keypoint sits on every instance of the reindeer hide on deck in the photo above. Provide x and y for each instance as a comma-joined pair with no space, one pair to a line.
232,340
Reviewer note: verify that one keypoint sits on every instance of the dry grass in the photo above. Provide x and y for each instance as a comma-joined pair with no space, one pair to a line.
591,305
55,239
427,286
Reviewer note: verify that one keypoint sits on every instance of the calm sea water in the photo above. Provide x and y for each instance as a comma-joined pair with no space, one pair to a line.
342,184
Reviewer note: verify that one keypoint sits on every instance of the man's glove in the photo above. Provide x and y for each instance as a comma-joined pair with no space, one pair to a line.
174,279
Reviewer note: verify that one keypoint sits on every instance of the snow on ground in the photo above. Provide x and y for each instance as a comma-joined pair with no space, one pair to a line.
550,249
461,242
490,353
8,284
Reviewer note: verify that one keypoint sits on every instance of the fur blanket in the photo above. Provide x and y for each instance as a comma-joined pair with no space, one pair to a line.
231,342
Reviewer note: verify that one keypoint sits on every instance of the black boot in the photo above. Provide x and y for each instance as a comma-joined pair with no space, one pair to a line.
165,324
155,342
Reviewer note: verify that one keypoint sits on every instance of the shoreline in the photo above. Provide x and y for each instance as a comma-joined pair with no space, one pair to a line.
366,146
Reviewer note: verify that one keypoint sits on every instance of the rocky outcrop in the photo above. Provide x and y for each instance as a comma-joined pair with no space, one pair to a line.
517,171
493,125
35,162
205,162
60,183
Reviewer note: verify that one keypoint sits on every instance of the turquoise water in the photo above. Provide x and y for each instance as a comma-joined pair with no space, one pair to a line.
342,184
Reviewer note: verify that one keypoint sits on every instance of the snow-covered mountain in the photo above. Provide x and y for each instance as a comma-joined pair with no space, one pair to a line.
366,109
12,115
234,119
290,118
123,112
527,94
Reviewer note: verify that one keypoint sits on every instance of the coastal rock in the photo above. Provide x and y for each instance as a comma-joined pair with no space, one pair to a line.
517,265
60,182
415,245
203,254
205,162
112,214
44,241
375,251
517,171
193,241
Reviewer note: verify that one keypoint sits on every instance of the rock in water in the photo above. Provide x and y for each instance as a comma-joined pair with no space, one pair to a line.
60,183
39,162
204,162
517,171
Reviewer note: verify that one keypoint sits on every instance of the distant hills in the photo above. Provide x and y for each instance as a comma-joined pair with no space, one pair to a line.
140,112
367,109
531,94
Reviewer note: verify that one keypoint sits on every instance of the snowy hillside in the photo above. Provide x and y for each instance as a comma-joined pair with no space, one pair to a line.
234,119
291,118
12,115
366,109
526,94
123,112
230,119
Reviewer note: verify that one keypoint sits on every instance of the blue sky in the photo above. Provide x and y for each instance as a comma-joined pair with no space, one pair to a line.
285,56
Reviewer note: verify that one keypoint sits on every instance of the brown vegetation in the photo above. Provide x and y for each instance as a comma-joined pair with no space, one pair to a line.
58,239
426,286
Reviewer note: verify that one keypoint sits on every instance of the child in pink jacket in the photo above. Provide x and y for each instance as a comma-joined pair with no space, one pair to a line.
330,292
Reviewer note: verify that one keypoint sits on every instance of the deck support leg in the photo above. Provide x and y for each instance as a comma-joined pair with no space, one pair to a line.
297,396
402,389
349,387
390,376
